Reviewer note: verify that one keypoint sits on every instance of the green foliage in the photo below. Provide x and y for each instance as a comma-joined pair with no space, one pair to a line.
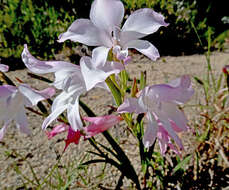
28,22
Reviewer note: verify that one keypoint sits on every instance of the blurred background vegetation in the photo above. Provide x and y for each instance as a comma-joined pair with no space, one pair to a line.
38,23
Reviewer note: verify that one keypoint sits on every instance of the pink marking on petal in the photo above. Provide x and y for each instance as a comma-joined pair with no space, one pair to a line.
57,130
73,137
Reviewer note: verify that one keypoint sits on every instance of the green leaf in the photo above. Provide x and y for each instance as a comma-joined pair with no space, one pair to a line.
143,80
182,164
115,91
199,81
219,82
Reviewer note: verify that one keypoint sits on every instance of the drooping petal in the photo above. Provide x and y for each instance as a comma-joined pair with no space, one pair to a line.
100,124
145,21
3,130
85,32
106,14
62,100
66,77
42,67
95,75
163,139
4,68
144,47
57,130
74,116
34,96
167,126
99,56
22,122
73,137
55,113
171,111
151,131
130,105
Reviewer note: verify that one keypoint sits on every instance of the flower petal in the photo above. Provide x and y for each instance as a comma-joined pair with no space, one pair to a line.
4,68
56,130
151,131
163,139
42,67
95,75
175,115
145,21
74,116
100,124
106,14
7,90
130,105
167,126
22,122
34,96
120,54
85,32
178,91
144,47
55,113
3,130
126,36
73,137
63,99
66,77
99,56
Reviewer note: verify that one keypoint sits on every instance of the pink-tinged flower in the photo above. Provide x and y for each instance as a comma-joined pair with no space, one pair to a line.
73,80
160,102
4,68
57,130
13,101
103,29
72,137
68,77
100,124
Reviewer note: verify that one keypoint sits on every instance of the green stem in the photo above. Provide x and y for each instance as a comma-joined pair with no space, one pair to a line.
126,167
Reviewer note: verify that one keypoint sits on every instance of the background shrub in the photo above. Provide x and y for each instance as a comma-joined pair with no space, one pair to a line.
37,23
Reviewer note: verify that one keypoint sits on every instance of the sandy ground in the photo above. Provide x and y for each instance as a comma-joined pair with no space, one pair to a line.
42,153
